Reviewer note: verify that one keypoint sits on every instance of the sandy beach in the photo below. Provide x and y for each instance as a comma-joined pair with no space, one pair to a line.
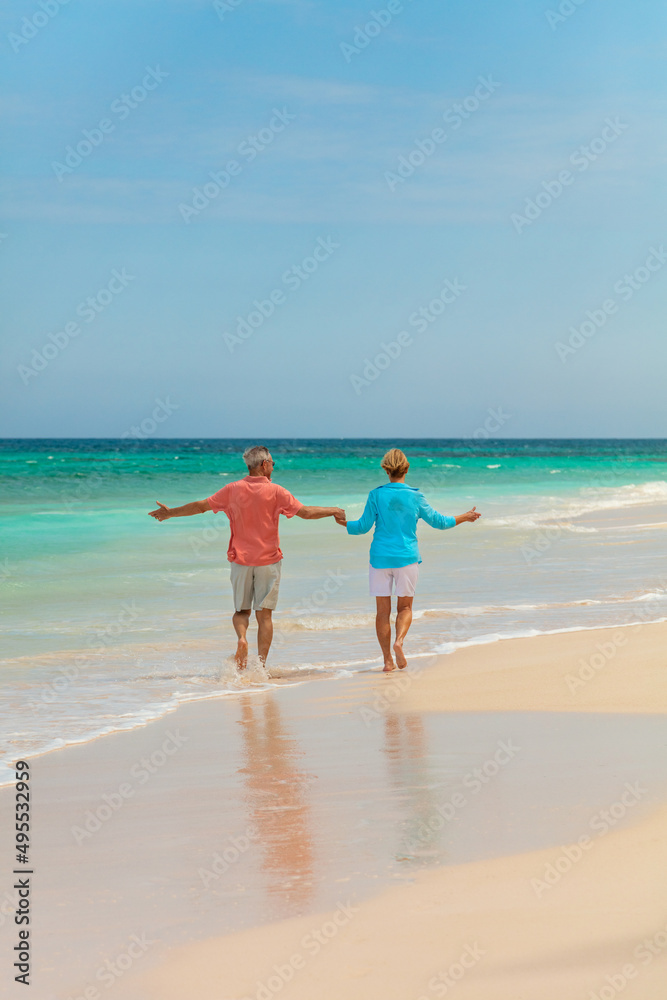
480,823
335,337
479,928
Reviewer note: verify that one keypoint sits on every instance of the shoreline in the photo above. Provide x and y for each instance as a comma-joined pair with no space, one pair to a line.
230,824
579,671
434,658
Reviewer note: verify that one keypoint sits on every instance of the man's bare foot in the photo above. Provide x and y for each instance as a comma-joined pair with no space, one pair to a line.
401,662
388,666
241,654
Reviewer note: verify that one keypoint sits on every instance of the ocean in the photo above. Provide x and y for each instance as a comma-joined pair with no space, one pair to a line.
111,619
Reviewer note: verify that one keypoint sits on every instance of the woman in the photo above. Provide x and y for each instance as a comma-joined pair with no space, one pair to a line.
394,509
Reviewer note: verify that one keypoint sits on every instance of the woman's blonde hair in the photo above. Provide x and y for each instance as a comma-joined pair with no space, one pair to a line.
395,463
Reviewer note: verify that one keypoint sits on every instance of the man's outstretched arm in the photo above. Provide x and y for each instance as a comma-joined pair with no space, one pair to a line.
313,513
163,512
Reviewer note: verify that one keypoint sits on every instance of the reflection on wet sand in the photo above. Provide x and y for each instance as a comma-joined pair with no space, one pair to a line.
277,798
406,750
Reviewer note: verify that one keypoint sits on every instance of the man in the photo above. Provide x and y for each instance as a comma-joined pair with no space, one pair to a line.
253,505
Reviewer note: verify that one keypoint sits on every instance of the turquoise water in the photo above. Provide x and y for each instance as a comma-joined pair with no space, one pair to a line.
111,619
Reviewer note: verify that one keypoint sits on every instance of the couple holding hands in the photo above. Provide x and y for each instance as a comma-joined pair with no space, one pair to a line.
254,505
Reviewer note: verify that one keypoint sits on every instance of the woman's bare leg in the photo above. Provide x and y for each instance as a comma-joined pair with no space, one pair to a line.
383,630
403,622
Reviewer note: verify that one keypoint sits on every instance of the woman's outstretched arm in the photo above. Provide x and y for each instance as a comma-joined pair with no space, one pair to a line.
442,521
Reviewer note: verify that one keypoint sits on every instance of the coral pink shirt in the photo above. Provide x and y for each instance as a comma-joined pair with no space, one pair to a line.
253,505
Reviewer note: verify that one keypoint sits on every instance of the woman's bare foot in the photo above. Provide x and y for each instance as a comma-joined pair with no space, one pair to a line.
400,655
241,654
388,666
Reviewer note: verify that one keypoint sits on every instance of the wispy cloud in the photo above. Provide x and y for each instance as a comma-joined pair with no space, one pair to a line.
330,163
308,90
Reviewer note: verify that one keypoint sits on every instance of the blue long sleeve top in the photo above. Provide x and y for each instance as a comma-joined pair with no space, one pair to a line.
394,509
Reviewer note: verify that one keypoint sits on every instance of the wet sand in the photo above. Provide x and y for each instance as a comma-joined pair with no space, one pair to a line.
402,818
478,930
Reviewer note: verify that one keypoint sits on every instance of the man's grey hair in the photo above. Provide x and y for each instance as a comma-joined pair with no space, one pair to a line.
256,455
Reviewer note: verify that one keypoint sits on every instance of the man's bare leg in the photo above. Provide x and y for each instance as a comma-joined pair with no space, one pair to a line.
403,622
264,632
240,621
383,630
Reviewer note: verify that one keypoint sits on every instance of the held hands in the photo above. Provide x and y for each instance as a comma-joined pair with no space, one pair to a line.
162,513
339,515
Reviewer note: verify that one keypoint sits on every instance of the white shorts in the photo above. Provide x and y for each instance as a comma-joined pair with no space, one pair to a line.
381,581
255,585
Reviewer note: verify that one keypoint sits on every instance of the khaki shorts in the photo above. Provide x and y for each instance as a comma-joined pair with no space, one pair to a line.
255,586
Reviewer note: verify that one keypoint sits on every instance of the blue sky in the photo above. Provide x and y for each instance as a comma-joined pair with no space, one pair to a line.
181,88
